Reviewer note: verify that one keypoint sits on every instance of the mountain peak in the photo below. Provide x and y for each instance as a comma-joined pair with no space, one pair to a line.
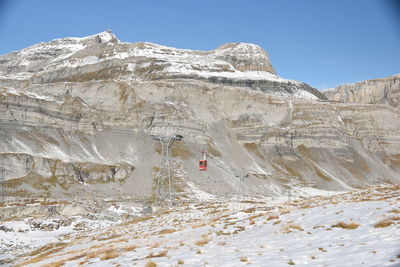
246,57
103,37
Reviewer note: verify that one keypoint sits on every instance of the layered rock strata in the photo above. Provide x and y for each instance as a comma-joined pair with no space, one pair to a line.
79,115
384,91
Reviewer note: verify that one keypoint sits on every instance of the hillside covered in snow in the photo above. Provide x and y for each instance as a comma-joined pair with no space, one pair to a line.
359,228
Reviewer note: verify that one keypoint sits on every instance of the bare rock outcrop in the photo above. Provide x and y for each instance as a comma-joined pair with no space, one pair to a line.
384,91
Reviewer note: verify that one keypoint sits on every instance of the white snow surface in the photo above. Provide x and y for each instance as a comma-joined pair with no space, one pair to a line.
20,235
304,232
12,91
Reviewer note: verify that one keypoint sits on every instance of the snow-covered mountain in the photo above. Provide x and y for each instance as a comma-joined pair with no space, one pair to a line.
104,57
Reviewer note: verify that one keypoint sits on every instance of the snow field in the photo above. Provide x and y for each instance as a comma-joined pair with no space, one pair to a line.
338,230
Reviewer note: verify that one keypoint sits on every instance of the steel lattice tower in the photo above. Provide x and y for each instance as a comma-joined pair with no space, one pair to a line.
2,173
165,188
241,175
2,178
241,188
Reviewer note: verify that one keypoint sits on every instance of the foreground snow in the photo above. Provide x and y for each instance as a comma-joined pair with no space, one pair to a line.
338,230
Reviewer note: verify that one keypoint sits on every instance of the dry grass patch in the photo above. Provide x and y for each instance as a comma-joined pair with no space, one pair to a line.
109,256
9,219
347,226
372,199
285,212
238,229
272,217
202,242
220,232
117,241
213,212
296,227
157,255
305,206
228,223
92,255
76,257
95,254
155,245
103,238
166,231
55,264
130,248
204,235
44,252
48,248
198,225
256,216
383,223
287,228
54,202
141,219
250,210
151,264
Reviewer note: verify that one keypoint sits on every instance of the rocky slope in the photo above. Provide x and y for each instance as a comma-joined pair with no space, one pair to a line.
78,116
378,91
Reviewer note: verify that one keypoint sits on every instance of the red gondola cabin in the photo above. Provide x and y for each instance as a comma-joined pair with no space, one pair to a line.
202,165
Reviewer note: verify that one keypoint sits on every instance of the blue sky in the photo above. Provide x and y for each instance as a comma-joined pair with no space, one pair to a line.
324,43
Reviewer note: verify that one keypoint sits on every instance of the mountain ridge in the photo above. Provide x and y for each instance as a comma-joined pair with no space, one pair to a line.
103,57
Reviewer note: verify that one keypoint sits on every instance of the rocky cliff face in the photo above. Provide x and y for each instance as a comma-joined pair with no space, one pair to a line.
78,116
378,91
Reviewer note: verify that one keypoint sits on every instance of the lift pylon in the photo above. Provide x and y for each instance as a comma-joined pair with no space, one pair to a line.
2,173
165,188
241,174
